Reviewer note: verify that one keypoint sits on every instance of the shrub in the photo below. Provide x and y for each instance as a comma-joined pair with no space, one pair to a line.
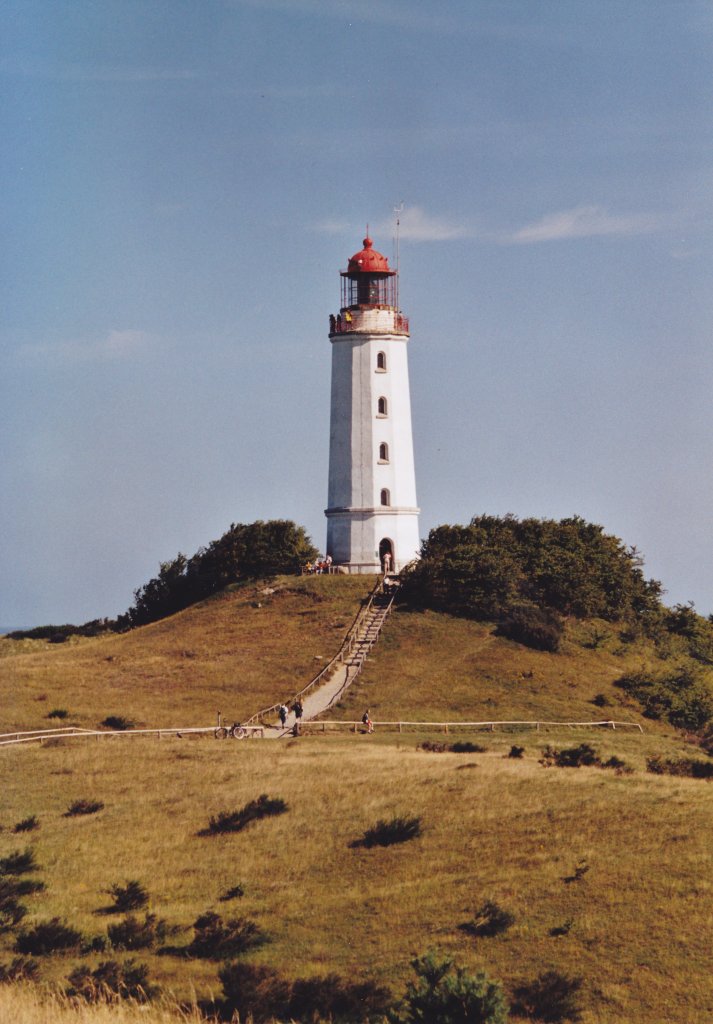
683,766
111,981
387,833
80,807
332,998
570,757
58,713
579,872
680,694
48,937
215,939
551,998
252,990
539,628
235,821
432,747
232,894
516,751
131,933
490,920
132,896
466,747
118,723
27,825
601,700
18,863
20,969
11,913
450,995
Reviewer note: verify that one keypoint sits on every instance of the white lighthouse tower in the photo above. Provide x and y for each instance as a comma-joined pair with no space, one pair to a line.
372,518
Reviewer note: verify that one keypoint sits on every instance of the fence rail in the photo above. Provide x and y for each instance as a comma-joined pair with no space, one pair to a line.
42,735
319,725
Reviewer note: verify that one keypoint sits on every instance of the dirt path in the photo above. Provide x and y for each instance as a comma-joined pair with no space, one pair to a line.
313,704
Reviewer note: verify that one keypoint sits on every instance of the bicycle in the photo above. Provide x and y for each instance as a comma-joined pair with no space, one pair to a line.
235,732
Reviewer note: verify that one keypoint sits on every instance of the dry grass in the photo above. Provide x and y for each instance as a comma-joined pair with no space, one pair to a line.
237,652
26,1005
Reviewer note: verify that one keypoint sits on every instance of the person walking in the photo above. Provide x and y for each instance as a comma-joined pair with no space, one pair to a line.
366,719
283,715
297,708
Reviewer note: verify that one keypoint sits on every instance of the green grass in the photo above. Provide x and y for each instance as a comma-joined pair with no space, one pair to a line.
493,828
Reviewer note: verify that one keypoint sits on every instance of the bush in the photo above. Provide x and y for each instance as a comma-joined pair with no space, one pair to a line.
20,969
601,700
551,998
235,821
232,894
112,981
26,825
58,713
387,833
215,939
255,991
570,757
490,920
448,995
18,863
466,747
132,896
681,695
11,913
52,936
118,723
683,766
332,998
433,747
80,807
131,933
516,751
539,628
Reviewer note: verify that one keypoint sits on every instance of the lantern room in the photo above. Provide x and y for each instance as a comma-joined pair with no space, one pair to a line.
368,281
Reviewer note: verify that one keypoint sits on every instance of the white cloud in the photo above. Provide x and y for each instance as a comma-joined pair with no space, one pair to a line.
415,225
583,222
114,345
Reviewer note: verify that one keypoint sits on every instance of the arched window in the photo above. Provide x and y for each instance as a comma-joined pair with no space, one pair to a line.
383,452
382,407
385,497
381,361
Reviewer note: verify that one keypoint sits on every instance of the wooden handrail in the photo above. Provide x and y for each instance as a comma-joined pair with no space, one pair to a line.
489,724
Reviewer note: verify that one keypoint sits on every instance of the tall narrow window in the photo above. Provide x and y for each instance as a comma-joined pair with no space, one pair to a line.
381,361
385,497
382,407
383,452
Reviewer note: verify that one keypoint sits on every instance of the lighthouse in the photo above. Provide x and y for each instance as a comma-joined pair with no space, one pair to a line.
372,518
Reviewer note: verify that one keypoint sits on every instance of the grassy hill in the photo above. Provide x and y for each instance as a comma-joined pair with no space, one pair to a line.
632,922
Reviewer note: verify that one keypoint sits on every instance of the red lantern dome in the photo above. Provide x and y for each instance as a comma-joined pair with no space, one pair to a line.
368,261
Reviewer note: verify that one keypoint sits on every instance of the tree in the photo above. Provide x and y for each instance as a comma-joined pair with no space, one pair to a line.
445,994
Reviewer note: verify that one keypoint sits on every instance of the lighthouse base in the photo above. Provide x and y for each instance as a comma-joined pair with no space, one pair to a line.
372,540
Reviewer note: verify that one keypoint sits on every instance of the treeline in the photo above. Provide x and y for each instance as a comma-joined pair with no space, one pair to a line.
245,551
528,574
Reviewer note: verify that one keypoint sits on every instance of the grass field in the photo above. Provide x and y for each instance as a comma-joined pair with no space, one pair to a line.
635,925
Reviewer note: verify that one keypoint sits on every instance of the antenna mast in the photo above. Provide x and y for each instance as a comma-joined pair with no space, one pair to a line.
398,210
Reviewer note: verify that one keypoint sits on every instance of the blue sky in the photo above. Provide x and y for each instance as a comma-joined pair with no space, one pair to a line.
180,183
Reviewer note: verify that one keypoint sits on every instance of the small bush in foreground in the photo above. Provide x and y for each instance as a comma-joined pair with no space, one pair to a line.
683,766
112,981
26,825
132,896
466,747
235,821
216,939
80,807
52,936
61,713
490,919
118,723
387,833
19,969
551,998
332,998
252,990
516,751
234,893
132,933
450,995
18,863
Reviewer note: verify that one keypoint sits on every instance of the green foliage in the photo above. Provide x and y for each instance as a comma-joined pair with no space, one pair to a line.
685,766
539,628
132,933
494,565
551,998
112,981
132,896
58,634
570,757
80,807
253,990
450,995
47,937
387,833
681,694
490,919
245,551
235,821
216,939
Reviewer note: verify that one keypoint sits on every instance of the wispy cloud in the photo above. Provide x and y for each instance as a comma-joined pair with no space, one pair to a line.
415,225
583,222
79,72
112,346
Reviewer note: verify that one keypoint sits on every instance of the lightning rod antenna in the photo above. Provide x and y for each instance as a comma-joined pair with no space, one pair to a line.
398,210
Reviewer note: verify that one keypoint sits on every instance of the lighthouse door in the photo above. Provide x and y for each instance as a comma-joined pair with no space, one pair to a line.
386,555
